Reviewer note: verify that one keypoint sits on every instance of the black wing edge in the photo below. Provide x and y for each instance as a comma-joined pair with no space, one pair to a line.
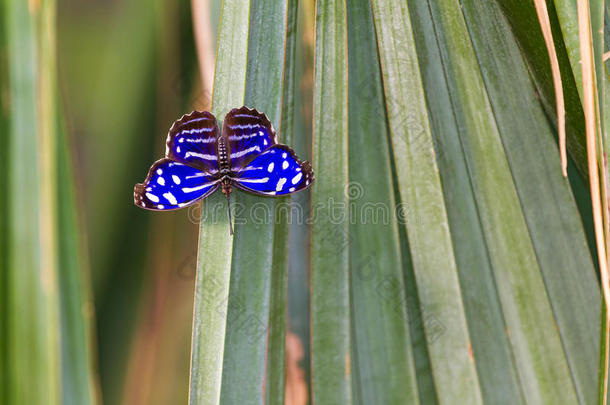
254,112
139,190
183,121
306,168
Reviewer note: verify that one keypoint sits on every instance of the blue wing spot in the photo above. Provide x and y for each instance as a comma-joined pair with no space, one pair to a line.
187,185
272,173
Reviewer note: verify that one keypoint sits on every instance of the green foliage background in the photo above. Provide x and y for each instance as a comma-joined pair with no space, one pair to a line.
476,285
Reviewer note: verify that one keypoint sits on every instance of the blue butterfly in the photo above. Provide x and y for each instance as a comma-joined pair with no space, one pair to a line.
199,160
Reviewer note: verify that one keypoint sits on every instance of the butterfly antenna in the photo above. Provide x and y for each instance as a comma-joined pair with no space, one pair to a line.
229,213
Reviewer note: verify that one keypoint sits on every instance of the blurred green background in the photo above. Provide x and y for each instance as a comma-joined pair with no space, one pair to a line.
495,249
126,69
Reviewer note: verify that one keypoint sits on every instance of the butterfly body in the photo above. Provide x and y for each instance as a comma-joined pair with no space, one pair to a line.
199,159
224,166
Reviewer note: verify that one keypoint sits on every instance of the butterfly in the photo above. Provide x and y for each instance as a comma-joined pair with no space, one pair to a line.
199,160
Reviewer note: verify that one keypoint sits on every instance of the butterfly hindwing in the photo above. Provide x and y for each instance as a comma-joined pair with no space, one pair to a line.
277,171
192,140
170,185
252,161
249,133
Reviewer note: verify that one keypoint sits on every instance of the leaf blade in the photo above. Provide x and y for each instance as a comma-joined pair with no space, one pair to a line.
452,367
247,340
546,199
213,275
527,312
330,339
33,303
276,365
383,362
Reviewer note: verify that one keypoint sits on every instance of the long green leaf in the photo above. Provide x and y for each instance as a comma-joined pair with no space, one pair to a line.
4,204
382,361
547,202
330,317
567,15
276,364
420,187
79,385
491,346
215,242
526,309
246,345
33,304
418,317
299,282
526,29
568,20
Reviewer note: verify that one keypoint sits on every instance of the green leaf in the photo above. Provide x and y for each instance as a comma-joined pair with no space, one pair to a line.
382,360
4,204
247,340
526,30
276,365
79,385
567,16
419,184
33,333
215,242
546,199
299,282
527,312
330,307
494,361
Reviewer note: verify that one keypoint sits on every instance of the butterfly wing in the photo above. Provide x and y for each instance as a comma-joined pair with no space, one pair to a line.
170,185
249,133
193,140
276,171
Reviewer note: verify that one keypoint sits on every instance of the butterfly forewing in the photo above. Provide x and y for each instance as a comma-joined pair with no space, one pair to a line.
192,140
248,133
277,171
170,185
198,161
